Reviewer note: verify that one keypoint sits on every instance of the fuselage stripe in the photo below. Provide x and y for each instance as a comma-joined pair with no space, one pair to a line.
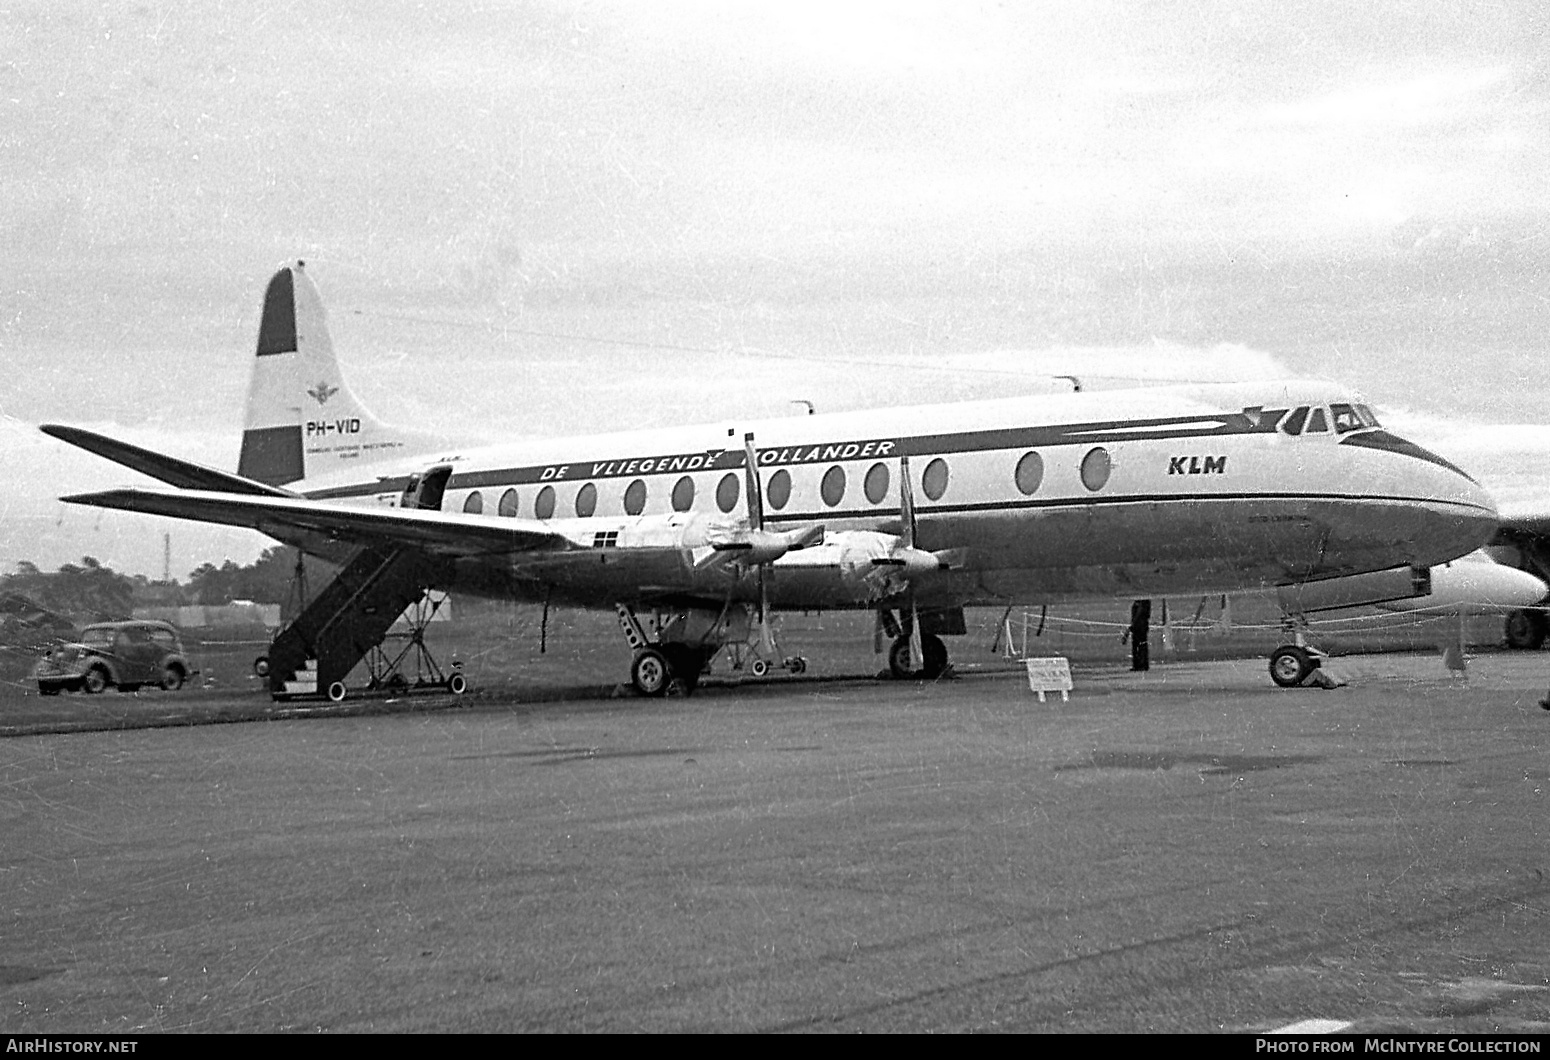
927,508
732,459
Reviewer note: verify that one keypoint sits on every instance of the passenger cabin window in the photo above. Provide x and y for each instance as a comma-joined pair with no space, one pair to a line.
586,500
1294,422
1029,473
683,494
934,481
778,490
1095,469
1317,422
876,483
474,504
832,489
508,504
635,498
543,507
727,491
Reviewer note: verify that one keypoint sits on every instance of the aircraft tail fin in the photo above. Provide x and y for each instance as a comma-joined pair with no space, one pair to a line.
302,417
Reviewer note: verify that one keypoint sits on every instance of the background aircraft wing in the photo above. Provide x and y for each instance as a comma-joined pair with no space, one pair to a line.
181,473
1522,540
296,519
1519,520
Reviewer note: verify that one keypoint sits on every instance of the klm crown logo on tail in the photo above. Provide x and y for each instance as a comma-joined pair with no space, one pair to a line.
322,392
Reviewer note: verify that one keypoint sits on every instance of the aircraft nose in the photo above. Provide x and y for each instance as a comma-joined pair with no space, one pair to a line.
1453,514
1463,511
1475,498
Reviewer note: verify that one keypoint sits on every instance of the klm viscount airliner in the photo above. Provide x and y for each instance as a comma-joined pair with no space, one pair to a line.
695,534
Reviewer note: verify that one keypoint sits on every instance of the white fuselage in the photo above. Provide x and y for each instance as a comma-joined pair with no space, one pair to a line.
1158,491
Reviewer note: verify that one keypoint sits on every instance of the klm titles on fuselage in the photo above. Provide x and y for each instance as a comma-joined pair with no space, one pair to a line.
1197,465
719,459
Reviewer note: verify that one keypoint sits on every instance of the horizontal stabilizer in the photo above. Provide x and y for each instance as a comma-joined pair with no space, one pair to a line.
174,472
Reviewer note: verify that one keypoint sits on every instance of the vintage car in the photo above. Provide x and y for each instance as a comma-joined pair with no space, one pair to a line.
124,655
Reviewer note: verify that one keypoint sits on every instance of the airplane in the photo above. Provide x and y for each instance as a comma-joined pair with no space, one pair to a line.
706,531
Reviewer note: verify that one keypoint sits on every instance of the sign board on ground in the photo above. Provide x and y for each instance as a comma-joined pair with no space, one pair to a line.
1051,673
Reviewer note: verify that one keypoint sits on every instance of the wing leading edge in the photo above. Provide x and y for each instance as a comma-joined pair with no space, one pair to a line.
289,517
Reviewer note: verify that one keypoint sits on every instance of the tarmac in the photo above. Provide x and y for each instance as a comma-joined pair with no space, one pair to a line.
1186,850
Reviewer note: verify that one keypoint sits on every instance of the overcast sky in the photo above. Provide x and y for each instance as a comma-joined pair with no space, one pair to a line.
531,218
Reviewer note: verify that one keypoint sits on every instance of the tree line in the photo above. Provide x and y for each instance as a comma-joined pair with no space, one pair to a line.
92,590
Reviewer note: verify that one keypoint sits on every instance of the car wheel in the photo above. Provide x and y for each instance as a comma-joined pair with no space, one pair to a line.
95,680
172,678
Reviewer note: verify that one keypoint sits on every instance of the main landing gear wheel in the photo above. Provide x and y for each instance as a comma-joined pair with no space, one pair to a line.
1525,630
650,673
901,665
1291,665
759,667
457,684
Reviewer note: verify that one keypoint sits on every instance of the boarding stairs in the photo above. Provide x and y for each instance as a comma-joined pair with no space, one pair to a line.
349,618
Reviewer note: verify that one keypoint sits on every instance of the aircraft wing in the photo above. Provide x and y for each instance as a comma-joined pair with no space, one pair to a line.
175,472
1522,540
291,518
1520,521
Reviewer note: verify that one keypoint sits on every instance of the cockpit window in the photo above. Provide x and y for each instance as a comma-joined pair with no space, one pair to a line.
1317,422
1352,417
1294,422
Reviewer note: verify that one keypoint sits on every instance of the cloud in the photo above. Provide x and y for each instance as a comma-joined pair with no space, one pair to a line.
1437,96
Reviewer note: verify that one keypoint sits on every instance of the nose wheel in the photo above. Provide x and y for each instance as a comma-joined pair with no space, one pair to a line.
1291,664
